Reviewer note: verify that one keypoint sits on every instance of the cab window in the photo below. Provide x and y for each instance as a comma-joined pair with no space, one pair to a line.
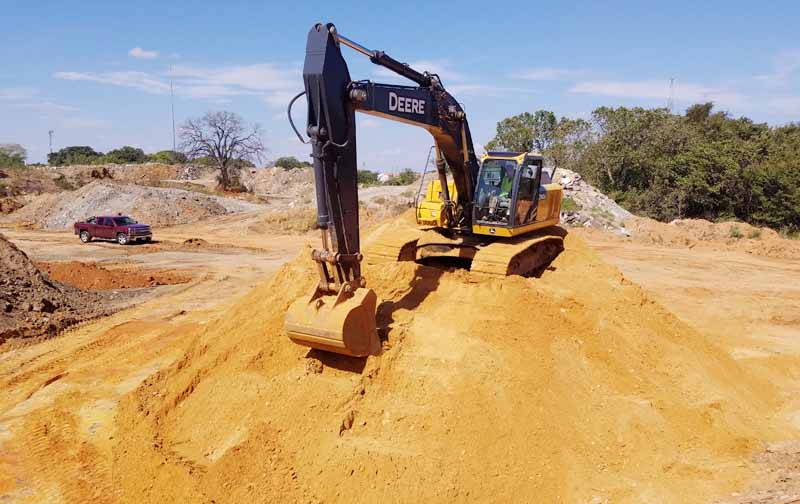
528,192
495,190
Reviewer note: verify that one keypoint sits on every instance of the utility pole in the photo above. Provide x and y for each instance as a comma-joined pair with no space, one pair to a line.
50,134
172,106
671,99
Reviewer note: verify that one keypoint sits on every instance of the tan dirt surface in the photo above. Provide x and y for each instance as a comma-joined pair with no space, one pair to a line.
578,386
748,304
728,236
90,276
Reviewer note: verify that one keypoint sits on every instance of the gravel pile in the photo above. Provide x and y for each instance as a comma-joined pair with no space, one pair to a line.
296,187
594,209
155,206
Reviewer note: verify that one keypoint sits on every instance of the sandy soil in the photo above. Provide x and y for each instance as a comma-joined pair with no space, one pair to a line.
748,303
579,386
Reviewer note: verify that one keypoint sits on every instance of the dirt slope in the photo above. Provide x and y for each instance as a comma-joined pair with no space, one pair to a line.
575,387
31,304
733,236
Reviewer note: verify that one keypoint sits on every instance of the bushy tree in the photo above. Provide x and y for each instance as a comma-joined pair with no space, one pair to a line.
167,157
73,155
525,132
367,177
12,155
406,177
126,154
291,163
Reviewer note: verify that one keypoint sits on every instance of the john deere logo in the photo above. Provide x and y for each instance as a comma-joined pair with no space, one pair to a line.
404,104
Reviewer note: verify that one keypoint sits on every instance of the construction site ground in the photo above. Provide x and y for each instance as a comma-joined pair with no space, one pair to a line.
629,372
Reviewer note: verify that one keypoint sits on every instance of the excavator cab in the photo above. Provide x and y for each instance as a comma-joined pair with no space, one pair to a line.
511,198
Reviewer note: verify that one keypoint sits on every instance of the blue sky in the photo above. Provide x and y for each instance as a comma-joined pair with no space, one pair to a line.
97,73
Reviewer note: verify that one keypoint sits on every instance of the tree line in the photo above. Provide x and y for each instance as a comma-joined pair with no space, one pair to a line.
85,155
701,164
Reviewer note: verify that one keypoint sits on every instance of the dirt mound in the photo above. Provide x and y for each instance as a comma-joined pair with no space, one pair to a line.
31,304
90,276
293,186
735,236
155,206
574,387
8,205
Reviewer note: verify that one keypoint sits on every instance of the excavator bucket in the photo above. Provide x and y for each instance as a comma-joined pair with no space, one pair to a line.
343,323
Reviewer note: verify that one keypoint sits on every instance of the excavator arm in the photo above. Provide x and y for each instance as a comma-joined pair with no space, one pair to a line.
339,315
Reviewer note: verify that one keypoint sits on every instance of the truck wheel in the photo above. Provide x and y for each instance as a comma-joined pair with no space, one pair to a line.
85,236
122,238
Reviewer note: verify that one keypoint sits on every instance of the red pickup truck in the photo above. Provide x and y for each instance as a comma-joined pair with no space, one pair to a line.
119,228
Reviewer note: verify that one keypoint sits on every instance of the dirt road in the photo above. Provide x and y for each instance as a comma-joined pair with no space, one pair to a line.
594,394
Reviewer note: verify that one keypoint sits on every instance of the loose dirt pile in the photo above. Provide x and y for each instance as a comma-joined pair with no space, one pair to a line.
31,304
90,276
155,206
735,236
574,387
295,187
8,205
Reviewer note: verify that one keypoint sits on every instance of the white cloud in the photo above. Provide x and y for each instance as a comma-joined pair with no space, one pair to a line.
139,53
659,90
786,63
16,93
786,104
276,85
136,80
547,74
47,107
368,123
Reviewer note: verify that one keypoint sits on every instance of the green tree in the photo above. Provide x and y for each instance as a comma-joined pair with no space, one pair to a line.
291,163
125,155
73,155
367,178
406,177
525,132
167,157
12,155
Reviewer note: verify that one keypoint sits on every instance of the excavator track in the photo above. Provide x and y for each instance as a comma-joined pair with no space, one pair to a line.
523,255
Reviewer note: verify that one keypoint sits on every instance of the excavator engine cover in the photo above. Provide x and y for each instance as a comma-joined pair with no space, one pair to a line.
343,323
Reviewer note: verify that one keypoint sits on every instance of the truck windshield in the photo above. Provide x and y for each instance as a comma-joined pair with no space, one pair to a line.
123,221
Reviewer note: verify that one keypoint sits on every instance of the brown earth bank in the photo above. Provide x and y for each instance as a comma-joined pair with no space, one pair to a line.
733,236
92,277
31,304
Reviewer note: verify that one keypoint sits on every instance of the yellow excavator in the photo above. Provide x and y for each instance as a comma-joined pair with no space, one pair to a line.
498,214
